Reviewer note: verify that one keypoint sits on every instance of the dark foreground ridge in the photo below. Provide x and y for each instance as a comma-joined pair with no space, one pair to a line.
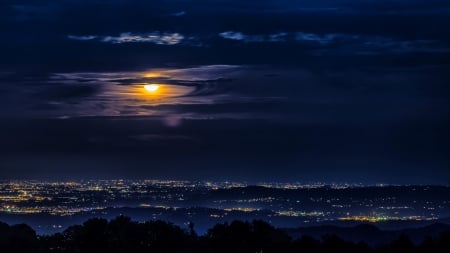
124,235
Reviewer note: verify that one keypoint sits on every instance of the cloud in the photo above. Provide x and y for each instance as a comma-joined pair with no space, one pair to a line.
276,37
178,14
204,92
232,35
232,32
66,92
121,93
153,37
85,37
405,46
324,39
343,43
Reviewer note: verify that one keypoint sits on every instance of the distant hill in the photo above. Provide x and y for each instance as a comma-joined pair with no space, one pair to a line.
370,234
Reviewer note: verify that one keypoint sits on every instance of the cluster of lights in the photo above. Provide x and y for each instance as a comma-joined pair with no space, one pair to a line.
69,198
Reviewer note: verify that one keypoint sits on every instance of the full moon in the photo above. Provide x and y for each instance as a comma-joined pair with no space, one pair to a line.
151,87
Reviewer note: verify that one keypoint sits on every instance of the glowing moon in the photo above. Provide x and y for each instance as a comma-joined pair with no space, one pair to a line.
151,87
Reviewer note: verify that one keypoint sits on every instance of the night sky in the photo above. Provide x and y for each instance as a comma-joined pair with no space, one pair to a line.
268,90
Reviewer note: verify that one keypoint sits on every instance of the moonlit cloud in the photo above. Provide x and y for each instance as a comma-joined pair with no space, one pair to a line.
178,14
321,39
123,93
232,35
340,43
85,37
153,37
405,46
370,44
277,37
333,43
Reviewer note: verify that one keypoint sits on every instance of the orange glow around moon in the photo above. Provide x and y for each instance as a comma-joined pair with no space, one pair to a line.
151,87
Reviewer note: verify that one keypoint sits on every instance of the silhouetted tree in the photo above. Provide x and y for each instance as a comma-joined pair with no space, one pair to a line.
307,244
428,245
443,243
238,236
332,243
124,235
191,229
54,243
18,238
401,244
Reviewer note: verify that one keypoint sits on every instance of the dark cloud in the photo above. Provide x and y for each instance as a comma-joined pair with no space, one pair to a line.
67,91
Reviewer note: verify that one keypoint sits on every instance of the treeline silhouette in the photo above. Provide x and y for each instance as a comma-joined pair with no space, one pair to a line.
124,235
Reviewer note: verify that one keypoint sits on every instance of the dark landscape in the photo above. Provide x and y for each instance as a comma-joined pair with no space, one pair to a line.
202,216
123,235
51,207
